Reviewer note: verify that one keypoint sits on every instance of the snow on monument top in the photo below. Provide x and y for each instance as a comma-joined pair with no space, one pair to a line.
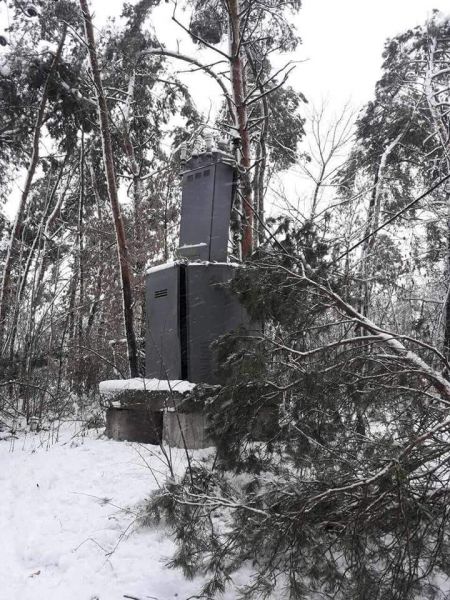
115,386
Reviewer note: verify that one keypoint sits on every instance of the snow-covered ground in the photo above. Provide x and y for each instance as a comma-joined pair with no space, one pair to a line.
67,520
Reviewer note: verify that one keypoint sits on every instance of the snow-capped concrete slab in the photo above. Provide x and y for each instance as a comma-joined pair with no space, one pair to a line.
113,387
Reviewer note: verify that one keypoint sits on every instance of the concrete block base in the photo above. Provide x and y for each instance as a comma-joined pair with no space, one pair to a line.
186,430
134,424
151,411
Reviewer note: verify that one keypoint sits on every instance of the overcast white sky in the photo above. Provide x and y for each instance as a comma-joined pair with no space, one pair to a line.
342,41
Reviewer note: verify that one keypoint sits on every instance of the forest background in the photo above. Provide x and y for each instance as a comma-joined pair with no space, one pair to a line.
350,274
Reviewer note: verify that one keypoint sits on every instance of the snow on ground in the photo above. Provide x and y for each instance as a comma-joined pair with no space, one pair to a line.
67,520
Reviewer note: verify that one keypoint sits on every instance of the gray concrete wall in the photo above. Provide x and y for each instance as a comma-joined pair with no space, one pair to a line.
185,430
134,424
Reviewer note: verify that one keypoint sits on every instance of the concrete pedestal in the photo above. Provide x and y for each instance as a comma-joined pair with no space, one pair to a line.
134,424
153,411
188,430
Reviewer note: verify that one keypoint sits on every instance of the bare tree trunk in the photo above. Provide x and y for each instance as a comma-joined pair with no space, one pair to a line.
80,244
108,160
133,164
260,158
439,109
99,277
237,83
373,219
139,250
5,289
71,309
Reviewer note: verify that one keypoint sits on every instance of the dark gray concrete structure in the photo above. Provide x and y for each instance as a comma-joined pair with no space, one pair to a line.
188,429
134,423
189,302
189,306
208,185
163,326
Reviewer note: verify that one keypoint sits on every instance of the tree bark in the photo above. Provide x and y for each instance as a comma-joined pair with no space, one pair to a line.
260,158
108,161
80,244
237,83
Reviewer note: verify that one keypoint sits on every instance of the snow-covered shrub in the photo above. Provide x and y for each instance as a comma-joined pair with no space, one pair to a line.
347,497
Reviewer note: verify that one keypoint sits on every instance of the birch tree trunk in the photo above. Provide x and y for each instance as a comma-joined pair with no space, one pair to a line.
260,164
108,161
237,83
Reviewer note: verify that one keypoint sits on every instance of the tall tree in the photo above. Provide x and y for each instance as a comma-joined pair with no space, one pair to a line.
402,138
108,161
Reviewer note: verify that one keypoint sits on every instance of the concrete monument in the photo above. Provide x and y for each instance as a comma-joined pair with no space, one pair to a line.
189,305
